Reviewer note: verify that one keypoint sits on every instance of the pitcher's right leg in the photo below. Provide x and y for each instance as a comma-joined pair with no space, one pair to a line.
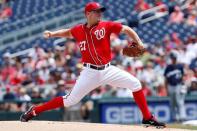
85,83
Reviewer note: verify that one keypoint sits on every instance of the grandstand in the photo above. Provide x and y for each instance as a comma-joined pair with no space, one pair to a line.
33,17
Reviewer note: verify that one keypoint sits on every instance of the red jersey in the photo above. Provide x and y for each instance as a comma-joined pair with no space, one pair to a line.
94,42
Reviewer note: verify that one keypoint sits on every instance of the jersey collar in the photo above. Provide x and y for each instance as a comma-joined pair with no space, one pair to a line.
85,25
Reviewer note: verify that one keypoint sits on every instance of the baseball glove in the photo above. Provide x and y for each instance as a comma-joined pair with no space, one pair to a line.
133,50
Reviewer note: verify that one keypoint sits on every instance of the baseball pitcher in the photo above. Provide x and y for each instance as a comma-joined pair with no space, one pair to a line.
93,39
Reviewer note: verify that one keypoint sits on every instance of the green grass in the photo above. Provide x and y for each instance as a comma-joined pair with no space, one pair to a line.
180,126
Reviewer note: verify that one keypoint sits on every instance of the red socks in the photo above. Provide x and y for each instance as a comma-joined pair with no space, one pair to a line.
142,104
52,104
58,102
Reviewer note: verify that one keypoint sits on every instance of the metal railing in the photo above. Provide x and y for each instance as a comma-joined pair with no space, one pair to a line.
32,17
32,37
152,14
33,31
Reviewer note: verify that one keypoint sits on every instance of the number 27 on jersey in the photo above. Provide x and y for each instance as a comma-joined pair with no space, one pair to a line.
82,45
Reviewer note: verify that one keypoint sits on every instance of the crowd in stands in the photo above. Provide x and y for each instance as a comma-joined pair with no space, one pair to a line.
46,73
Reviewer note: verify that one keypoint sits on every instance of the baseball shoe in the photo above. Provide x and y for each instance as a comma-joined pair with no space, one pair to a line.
153,123
28,115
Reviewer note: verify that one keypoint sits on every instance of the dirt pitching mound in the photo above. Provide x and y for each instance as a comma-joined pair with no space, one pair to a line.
72,126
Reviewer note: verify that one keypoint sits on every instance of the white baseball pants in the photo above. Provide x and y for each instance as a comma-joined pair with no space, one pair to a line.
90,79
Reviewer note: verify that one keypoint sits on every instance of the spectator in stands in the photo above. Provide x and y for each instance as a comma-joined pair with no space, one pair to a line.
5,13
160,64
61,88
161,91
158,84
36,94
176,40
44,73
71,53
141,5
193,87
41,61
37,52
9,95
176,16
37,79
115,40
51,94
71,48
70,77
31,63
189,77
188,52
148,74
109,92
147,91
22,95
59,60
7,59
1,3
8,72
86,109
168,43
159,3
51,60
174,73
96,94
193,65
191,5
20,75
117,45
192,20
4,1
192,44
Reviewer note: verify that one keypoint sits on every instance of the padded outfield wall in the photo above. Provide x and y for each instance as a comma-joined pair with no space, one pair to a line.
125,111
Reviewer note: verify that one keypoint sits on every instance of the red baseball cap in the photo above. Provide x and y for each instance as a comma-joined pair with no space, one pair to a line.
91,6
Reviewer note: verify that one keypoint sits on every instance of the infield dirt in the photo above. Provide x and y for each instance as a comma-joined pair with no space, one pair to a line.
73,126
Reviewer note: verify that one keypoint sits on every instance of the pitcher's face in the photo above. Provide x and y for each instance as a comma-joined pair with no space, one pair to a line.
94,16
